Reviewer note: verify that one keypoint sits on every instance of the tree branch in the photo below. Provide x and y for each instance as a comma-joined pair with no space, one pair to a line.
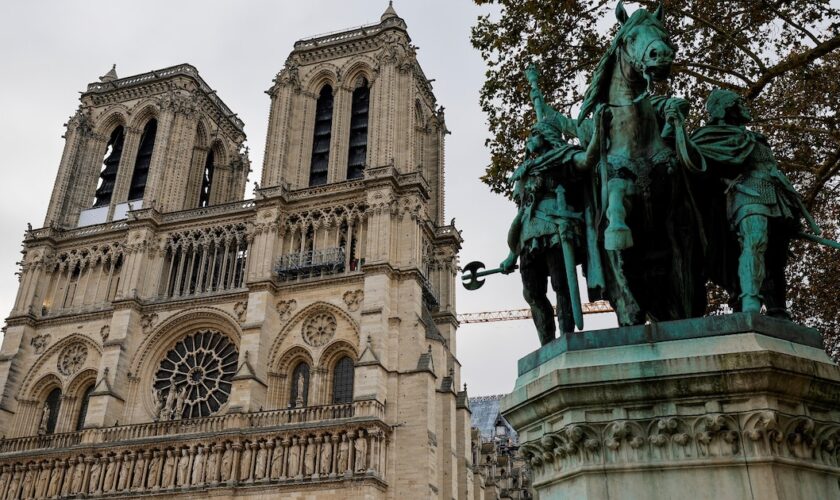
718,69
828,169
708,79
794,24
727,35
792,62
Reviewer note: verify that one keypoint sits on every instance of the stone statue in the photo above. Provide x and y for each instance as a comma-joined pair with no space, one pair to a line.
309,458
180,399
5,477
277,460
139,469
14,483
95,475
299,400
245,462
78,476
326,457
343,455
227,463
294,459
157,397
259,468
169,405
762,207
197,478
168,478
153,481
110,474
55,479
125,472
211,474
67,484
28,481
45,419
183,471
360,455
43,480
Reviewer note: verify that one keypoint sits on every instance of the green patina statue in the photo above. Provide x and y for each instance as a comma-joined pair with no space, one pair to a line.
650,212
762,208
547,233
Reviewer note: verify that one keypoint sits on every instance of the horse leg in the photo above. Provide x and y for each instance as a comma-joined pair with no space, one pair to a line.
617,236
621,297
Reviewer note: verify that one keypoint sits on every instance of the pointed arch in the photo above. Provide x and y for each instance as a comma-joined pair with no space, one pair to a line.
117,115
94,353
296,321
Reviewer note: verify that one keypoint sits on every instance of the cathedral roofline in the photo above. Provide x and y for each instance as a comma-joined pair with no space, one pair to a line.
187,70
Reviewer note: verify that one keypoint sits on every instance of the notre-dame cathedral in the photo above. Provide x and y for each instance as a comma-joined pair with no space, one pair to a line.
171,337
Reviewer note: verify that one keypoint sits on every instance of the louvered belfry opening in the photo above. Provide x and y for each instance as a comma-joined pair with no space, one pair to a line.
206,180
110,165
357,152
144,159
321,141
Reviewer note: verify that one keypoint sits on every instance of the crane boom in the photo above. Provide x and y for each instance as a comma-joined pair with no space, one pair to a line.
600,306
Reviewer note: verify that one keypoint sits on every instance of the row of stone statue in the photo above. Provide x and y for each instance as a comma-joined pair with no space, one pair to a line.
314,457
651,211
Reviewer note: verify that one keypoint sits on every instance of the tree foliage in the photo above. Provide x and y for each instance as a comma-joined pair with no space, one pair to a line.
783,56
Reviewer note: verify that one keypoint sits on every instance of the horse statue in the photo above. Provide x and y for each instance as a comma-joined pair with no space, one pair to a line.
645,253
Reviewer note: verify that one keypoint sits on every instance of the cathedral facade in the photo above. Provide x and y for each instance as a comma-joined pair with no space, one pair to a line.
171,337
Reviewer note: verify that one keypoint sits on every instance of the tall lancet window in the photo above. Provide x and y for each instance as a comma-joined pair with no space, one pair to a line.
144,159
357,152
321,140
110,164
206,180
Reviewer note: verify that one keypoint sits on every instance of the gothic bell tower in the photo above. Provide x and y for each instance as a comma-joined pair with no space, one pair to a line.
161,139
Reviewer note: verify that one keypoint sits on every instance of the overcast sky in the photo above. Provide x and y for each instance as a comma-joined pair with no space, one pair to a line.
51,49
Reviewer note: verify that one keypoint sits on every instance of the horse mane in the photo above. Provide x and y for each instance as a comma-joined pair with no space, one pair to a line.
603,71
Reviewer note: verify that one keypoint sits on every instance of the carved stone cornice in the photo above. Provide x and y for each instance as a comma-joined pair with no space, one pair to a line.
685,441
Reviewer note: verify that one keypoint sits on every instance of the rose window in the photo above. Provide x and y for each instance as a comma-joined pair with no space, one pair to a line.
199,369
319,329
72,359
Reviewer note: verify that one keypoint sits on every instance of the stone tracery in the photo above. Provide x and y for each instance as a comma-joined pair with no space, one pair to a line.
195,375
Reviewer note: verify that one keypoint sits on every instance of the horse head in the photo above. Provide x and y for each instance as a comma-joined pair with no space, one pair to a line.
644,42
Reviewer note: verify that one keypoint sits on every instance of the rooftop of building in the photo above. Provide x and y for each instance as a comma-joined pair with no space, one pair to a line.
486,413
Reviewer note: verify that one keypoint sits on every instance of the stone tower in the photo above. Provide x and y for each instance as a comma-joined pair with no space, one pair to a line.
171,337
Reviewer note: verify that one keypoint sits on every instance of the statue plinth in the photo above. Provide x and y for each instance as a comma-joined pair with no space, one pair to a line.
726,407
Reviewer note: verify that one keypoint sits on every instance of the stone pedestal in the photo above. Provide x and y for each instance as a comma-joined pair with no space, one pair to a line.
728,407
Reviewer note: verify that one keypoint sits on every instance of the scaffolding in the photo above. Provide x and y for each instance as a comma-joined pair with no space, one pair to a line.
310,263
598,307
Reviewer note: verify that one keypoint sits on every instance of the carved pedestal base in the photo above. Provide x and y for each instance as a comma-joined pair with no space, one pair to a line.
728,407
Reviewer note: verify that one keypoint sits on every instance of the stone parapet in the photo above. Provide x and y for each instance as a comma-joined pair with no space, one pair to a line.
239,455
738,406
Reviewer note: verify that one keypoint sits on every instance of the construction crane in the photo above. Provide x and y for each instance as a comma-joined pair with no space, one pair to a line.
597,307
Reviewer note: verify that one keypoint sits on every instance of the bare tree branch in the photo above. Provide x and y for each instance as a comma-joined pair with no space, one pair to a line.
791,62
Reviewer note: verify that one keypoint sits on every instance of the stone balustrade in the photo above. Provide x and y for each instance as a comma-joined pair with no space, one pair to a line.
237,459
359,410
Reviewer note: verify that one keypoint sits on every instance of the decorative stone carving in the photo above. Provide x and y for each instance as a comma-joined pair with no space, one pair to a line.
309,458
72,358
147,322
285,308
104,332
360,455
354,299
40,343
343,455
241,310
326,457
319,329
